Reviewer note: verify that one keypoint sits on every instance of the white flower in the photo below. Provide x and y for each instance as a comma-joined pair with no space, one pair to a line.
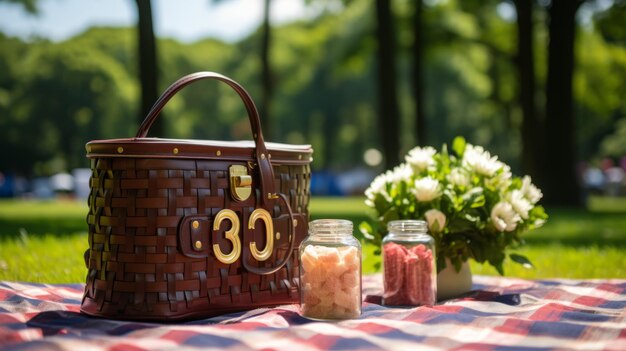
427,189
435,216
519,203
530,191
502,179
401,173
421,158
378,186
504,217
459,177
476,159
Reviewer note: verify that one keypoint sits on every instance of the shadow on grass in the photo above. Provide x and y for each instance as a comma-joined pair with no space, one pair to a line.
566,226
10,229
579,242
580,228
39,217
569,227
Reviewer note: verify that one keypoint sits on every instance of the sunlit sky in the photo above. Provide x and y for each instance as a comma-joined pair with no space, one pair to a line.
186,20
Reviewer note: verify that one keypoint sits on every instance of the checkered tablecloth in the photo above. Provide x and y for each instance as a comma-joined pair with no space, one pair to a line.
501,314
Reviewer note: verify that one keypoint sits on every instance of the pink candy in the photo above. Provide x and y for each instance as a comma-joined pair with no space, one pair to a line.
408,275
331,282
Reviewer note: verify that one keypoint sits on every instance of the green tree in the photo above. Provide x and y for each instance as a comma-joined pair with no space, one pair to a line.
388,112
267,76
67,94
148,67
610,23
611,28
560,184
532,128
29,5
325,69
12,52
206,109
470,77
421,126
266,71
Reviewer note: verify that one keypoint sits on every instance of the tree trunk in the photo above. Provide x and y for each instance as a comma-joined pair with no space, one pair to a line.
532,130
388,115
418,76
266,73
560,186
148,65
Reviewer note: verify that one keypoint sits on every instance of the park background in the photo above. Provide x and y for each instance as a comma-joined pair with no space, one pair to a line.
540,84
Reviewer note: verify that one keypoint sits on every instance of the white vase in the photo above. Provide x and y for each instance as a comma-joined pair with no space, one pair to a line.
451,283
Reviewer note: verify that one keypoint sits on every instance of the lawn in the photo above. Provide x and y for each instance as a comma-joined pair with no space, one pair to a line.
44,241
575,243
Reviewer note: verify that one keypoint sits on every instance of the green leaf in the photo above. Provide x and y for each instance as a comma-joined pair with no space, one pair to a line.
366,229
497,257
479,201
390,215
539,212
458,145
523,260
441,263
516,183
444,160
470,218
380,203
403,190
499,267
436,228
456,261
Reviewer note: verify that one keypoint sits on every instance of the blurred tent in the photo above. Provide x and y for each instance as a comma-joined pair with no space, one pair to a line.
62,183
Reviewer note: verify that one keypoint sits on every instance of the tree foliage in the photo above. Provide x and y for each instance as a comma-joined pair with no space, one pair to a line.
54,97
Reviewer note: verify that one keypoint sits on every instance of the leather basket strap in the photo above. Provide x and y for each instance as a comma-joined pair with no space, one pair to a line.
262,159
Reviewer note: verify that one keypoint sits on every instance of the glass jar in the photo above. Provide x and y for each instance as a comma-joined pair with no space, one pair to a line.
330,271
409,265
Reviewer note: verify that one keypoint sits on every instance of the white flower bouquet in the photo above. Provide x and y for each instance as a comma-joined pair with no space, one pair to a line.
475,208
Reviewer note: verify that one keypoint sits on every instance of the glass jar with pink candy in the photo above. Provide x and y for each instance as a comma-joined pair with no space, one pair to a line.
330,271
410,274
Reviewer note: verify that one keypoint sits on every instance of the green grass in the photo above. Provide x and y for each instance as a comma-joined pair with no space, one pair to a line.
563,261
38,217
575,243
44,241
44,258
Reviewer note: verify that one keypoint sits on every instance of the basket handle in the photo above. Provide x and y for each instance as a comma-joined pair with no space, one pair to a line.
262,158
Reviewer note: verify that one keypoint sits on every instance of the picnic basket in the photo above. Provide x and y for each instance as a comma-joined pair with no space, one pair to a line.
182,229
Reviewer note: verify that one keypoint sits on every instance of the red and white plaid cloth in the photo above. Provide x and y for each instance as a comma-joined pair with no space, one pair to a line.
501,314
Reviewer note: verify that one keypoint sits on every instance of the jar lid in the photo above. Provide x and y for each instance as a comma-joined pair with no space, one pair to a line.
330,226
407,226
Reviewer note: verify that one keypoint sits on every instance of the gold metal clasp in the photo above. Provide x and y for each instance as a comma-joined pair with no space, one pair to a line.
240,182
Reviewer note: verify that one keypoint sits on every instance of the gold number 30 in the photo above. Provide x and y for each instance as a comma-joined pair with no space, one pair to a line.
231,235
265,216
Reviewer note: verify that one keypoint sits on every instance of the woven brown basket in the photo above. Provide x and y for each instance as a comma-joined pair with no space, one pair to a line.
182,229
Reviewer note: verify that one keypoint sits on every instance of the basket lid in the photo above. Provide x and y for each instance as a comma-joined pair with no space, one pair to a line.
196,149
